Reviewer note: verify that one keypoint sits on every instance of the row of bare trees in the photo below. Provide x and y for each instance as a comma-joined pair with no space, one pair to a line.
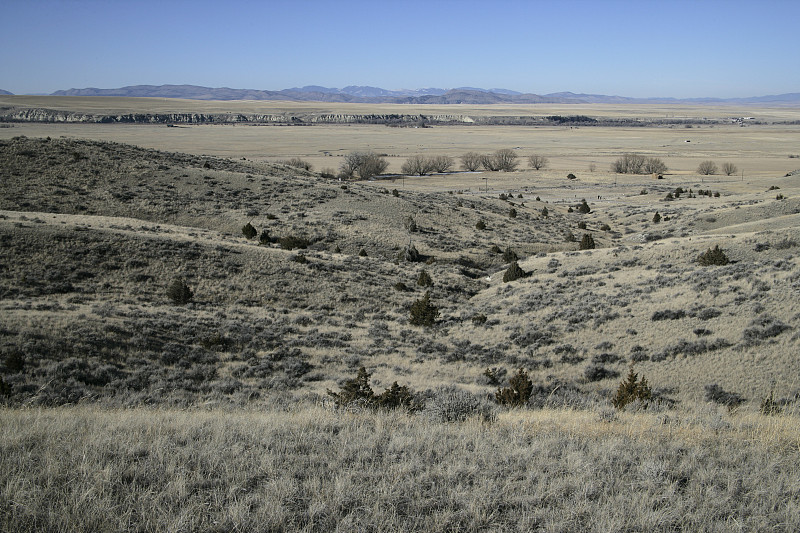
366,165
638,164
707,168
504,159
418,165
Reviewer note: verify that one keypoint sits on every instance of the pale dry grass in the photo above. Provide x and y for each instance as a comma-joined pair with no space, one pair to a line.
308,469
758,151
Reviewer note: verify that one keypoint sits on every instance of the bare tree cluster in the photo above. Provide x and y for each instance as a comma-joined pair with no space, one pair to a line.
504,159
471,161
297,163
638,164
537,162
707,168
365,165
729,169
418,165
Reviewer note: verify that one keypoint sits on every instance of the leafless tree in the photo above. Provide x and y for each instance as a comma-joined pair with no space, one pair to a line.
416,165
365,164
506,159
628,164
537,162
707,168
440,163
729,169
489,162
654,165
471,161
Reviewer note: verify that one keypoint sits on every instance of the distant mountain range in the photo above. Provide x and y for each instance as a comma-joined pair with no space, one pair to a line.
367,94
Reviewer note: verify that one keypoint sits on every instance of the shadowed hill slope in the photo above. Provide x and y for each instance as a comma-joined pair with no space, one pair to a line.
93,234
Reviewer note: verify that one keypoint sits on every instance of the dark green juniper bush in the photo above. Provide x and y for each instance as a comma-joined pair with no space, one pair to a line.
249,231
518,392
179,292
514,272
713,257
632,389
423,312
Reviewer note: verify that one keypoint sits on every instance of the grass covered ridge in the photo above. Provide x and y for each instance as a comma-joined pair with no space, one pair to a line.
307,468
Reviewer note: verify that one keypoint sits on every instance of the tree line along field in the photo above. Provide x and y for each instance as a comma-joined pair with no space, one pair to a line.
94,233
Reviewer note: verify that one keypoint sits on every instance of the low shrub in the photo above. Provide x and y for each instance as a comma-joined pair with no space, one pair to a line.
357,393
495,375
297,163
291,242
769,406
179,292
713,257
716,394
596,372
249,231
668,314
510,256
401,287
455,405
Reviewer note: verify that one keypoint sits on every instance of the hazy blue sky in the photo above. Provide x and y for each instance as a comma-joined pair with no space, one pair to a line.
632,48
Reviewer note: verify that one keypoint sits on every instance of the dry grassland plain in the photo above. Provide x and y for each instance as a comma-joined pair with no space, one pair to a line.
126,411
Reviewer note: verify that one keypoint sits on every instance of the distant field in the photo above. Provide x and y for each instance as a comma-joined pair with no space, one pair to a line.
756,150
164,105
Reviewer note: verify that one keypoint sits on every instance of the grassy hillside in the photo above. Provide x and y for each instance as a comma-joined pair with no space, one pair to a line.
94,233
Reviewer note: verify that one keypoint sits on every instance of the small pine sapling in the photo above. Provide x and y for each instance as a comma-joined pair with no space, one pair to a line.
423,312
518,392
632,389
424,279
587,242
179,292
355,390
514,272
712,257
249,231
